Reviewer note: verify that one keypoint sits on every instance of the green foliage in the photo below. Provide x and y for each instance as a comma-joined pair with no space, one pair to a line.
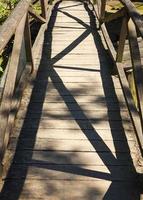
3,12
5,8
37,8
9,4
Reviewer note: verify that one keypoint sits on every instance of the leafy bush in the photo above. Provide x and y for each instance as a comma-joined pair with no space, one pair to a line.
10,4
5,8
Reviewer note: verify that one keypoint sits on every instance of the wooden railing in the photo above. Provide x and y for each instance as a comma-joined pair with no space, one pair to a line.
131,29
20,65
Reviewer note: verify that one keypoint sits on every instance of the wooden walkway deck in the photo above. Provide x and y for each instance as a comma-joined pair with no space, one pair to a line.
74,137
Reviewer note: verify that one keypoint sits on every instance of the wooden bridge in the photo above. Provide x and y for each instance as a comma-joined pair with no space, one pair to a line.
71,112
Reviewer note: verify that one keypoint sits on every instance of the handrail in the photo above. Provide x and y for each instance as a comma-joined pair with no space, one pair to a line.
20,64
132,25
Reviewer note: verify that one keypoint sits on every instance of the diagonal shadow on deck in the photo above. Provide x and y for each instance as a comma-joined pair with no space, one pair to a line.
127,190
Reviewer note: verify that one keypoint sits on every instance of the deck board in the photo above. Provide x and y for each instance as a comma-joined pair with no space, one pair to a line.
73,138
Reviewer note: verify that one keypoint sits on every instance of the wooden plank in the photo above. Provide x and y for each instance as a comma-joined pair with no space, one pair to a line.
74,158
37,17
105,135
41,190
59,106
76,99
72,124
66,114
71,172
43,144
113,83
82,80
130,103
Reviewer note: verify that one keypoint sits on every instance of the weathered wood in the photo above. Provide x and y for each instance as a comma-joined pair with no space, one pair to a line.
44,5
28,45
137,67
65,134
71,124
9,87
14,23
75,158
134,14
44,144
131,106
122,173
101,9
37,17
41,189
94,115
122,39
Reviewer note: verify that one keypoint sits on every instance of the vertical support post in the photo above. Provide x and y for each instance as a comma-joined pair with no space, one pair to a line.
101,10
122,39
28,44
44,6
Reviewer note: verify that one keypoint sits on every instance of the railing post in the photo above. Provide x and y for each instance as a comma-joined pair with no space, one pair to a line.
122,39
101,10
28,45
44,5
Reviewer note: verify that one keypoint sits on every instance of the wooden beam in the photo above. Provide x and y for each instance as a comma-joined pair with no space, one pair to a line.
137,66
28,45
44,5
122,39
130,103
9,87
101,9
37,17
